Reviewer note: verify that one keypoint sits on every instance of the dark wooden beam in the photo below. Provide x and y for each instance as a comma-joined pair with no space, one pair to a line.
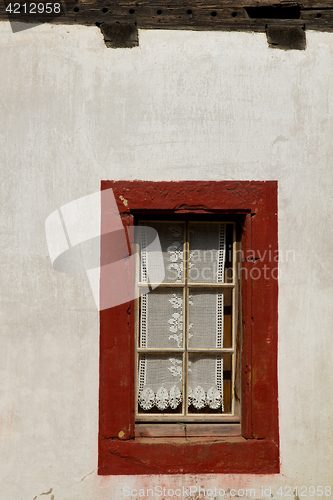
230,15
286,38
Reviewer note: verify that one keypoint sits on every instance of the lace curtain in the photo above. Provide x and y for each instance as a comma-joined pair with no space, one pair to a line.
162,323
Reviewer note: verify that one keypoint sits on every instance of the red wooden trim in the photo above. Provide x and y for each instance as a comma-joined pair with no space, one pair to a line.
258,450
199,196
264,313
246,372
191,456
116,372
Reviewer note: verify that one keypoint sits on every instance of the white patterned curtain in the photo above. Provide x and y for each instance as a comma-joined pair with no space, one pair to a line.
162,321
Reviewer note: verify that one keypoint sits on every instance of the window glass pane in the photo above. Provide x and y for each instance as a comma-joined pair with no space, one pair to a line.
209,318
227,318
161,319
171,235
229,237
209,383
199,317
160,383
206,252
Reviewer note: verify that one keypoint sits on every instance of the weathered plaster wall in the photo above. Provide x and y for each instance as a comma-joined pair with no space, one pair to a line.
183,105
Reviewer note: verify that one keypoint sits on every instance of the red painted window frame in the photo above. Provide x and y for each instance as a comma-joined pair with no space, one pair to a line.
257,450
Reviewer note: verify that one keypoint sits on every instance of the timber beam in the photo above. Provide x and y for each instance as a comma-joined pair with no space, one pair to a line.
227,15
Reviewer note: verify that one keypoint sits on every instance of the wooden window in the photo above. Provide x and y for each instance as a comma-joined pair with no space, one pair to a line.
250,208
187,331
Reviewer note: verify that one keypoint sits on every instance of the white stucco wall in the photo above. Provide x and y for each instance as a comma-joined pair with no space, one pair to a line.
183,105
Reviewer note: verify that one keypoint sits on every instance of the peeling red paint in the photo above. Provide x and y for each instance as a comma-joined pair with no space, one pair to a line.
257,451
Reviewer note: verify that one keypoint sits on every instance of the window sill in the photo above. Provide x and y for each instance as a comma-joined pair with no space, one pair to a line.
187,430
232,455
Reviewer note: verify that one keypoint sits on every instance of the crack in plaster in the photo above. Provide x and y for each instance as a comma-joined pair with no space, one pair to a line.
89,474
